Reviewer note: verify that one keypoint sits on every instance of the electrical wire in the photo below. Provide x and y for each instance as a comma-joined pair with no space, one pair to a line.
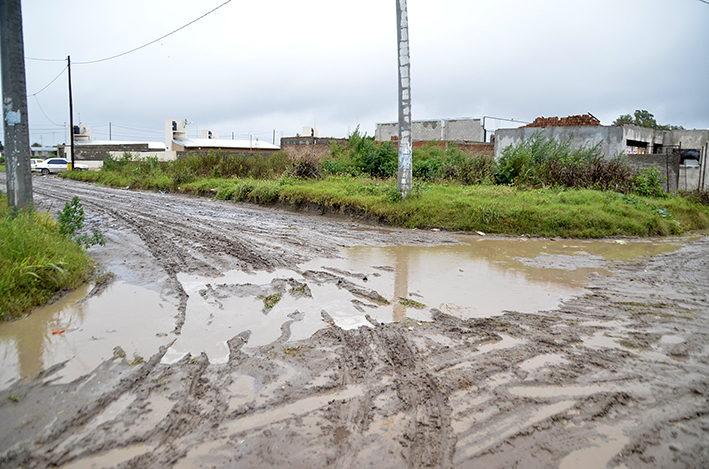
44,60
55,79
156,40
45,114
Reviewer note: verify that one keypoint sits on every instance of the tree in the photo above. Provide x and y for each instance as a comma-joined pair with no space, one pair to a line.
36,145
644,118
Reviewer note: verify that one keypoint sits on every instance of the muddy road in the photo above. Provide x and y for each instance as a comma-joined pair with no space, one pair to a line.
615,375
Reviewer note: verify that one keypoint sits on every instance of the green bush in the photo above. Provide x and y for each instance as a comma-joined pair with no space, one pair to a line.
363,155
648,183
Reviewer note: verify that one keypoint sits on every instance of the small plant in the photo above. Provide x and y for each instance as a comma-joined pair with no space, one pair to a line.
270,301
71,220
648,183
411,303
137,361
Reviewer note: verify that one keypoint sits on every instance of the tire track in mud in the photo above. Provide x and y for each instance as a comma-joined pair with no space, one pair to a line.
368,354
178,243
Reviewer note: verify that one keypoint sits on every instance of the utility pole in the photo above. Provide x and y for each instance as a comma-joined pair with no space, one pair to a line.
405,151
71,113
14,106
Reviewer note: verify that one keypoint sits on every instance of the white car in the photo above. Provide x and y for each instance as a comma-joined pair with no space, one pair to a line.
33,163
58,165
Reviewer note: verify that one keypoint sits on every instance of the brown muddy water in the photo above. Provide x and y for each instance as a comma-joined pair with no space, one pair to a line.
479,277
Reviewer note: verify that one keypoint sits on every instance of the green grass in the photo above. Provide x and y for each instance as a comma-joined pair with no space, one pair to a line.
576,213
36,261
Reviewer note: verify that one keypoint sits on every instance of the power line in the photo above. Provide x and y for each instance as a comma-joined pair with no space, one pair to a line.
45,114
153,42
55,79
45,60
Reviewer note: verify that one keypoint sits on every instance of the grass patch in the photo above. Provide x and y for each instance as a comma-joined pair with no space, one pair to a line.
36,261
296,350
138,360
629,344
411,303
270,301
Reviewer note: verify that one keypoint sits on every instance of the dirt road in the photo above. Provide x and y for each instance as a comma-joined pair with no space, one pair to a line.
618,377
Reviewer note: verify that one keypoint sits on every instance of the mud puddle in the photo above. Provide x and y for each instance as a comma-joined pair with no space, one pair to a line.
478,277
473,279
84,331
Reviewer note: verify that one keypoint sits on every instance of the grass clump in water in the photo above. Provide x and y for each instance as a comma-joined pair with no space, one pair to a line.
411,303
270,301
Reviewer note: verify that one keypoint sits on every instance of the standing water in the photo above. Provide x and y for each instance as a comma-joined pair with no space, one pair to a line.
477,277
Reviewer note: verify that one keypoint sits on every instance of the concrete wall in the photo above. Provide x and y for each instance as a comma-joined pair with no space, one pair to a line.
98,152
444,130
385,132
611,139
614,140
138,155
690,139
463,129
667,164
426,131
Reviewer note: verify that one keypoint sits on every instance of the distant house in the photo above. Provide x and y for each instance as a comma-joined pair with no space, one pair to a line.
94,152
43,152
679,154
176,140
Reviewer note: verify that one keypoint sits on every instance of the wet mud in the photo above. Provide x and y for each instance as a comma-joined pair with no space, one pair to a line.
347,372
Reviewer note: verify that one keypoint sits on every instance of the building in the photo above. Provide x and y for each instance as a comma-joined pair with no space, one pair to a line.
679,154
43,152
94,152
467,134
450,130
176,140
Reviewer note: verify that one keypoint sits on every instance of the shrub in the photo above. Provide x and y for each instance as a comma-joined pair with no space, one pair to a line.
648,183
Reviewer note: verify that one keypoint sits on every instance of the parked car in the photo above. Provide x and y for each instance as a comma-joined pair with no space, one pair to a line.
58,165
33,163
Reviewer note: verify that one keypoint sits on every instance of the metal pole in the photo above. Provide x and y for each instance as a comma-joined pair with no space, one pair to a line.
71,113
405,151
14,96
679,162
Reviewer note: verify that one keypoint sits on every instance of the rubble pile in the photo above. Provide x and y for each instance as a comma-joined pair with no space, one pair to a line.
571,121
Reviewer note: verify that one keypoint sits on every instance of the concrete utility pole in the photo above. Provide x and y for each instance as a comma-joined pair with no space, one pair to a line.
405,151
14,106
71,114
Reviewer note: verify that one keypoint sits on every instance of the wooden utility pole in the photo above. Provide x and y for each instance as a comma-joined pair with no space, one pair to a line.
14,106
405,150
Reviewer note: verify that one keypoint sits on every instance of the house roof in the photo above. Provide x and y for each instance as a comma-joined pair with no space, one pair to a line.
224,143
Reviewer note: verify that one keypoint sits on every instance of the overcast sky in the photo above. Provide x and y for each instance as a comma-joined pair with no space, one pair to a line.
255,67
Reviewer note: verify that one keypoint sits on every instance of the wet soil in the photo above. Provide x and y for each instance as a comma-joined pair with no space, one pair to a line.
615,376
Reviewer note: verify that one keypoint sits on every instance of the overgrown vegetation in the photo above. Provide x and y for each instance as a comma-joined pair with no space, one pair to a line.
36,261
541,187
170,175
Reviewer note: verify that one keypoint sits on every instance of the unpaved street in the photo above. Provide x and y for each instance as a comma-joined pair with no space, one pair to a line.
615,377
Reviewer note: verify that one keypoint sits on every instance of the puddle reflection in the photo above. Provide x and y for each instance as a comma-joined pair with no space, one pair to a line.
479,277
123,315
